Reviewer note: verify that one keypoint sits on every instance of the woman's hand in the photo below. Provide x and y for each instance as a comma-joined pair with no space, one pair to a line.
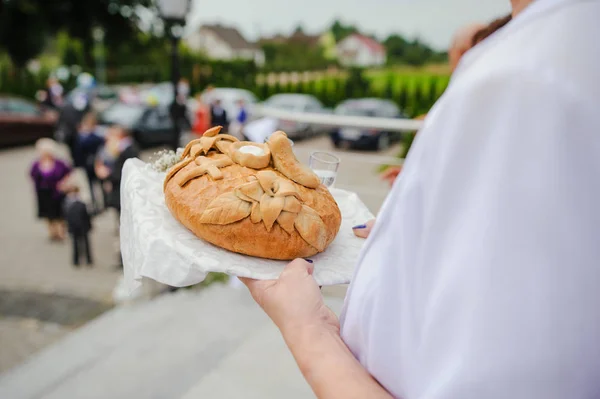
293,301
363,230
391,173
63,183
312,333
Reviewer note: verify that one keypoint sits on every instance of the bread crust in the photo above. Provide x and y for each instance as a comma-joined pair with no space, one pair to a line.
297,232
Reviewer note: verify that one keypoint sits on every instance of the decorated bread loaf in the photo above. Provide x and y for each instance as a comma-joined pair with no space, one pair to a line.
250,198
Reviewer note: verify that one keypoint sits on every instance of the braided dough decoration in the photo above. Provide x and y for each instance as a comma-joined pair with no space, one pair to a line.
263,197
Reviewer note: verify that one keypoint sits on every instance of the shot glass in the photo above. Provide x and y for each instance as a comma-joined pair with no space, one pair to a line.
325,165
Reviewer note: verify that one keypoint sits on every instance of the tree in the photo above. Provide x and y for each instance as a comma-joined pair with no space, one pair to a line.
396,47
19,39
24,25
415,52
340,31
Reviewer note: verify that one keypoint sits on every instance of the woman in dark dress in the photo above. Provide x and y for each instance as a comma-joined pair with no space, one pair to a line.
48,174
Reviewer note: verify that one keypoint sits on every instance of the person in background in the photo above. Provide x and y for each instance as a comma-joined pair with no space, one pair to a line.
218,115
123,144
183,91
69,119
53,94
104,162
178,111
236,128
461,43
88,146
465,39
48,174
490,29
202,119
79,226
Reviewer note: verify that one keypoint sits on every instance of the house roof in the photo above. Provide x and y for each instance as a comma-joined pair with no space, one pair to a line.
231,36
372,44
300,37
277,39
297,37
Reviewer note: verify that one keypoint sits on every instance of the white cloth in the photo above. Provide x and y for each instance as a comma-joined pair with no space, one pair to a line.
156,246
480,278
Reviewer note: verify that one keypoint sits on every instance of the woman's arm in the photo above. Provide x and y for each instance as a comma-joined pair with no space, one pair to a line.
329,367
312,332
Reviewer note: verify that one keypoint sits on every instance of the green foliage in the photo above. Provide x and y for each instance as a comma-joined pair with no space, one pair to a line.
25,25
21,82
22,31
415,93
294,56
212,278
341,31
415,53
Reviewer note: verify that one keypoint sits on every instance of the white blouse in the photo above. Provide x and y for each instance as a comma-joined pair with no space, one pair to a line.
481,278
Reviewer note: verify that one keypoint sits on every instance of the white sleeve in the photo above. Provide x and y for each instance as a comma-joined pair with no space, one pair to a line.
509,262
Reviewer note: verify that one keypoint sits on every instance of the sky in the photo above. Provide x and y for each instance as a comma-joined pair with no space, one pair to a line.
433,21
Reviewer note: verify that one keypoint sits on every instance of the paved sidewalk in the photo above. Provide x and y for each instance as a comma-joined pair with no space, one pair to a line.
31,265
213,343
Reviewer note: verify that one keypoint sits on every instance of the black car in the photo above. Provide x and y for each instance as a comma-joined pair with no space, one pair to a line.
150,125
360,138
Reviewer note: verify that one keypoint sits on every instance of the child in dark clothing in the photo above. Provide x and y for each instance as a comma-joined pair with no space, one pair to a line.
87,146
79,225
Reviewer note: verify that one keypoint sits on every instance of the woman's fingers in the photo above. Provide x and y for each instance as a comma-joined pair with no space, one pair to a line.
257,288
391,173
296,268
363,230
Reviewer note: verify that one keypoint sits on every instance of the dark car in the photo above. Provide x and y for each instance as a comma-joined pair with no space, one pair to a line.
150,125
23,121
360,138
297,103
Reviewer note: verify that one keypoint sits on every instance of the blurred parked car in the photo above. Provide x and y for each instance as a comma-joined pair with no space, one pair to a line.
150,125
101,96
297,103
162,93
360,138
23,121
229,98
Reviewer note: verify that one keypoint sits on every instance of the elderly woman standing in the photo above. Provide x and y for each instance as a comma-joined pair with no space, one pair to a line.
48,173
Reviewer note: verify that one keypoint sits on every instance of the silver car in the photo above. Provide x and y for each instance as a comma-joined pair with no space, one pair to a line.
230,98
297,103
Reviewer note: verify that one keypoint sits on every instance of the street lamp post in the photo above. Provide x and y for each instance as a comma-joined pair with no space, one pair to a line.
174,13
98,34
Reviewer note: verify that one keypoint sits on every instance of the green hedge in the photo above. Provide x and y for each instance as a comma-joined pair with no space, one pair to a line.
201,73
21,83
414,93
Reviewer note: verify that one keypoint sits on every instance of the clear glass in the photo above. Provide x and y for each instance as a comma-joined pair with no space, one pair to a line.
325,165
